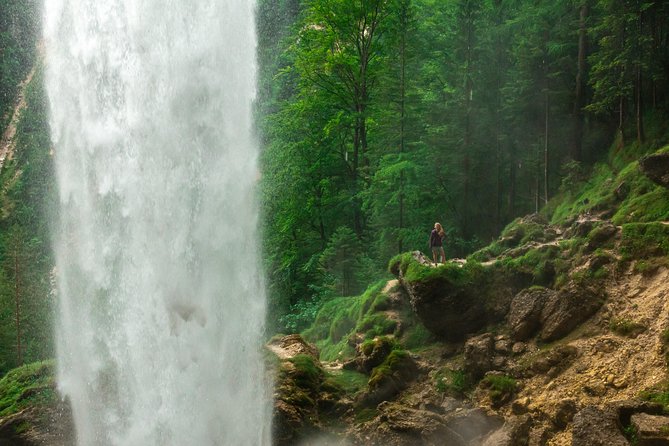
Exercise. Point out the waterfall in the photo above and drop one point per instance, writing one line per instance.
(161, 298)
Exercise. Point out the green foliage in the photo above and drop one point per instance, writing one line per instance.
(644, 240)
(308, 372)
(500, 387)
(340, 317)
(454, 382)
(626, 327)
(31, 384)
(26, 260)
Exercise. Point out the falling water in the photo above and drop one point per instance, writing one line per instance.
(161, 298)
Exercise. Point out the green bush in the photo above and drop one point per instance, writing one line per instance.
(501, 387)
(455, 382)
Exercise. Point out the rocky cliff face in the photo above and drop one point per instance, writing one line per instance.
(551, 339)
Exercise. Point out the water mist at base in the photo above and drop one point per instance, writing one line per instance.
(161, 301)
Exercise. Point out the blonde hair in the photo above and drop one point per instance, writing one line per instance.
(439, 229)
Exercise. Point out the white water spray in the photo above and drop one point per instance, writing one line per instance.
(161, 298)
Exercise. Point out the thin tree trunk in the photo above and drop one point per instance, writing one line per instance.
(546, 154)
(17, 301)
(579, 99)
(640, 136)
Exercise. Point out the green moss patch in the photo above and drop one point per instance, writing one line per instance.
(644, 240)
(342, 317)
(31, 384)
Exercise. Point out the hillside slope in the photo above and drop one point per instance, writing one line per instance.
(555, 334)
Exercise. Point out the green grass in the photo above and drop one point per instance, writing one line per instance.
(644, 240)
(454, 382)
(28, 385)
(500, 387)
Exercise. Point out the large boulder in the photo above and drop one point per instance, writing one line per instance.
(597, 427)
(553, 314)
(456, 299)
(656, 167)
(524, 317)
(301, 392)
(567, 309)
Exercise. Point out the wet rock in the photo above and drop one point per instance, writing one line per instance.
(656, 167)
(652, 430)
(478, 356)
(524, 317)
(596, 427)
(50, 425)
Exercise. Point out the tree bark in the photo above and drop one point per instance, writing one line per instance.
(579, 99)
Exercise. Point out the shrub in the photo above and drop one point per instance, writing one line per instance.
(501, 388)
(626, 327)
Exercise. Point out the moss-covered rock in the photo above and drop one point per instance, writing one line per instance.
(390, 377)
(31, 412)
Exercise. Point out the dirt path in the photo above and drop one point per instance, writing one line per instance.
(8, 141)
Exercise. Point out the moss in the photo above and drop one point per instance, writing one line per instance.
(645, 201)
(376, 324)
(658, 394)
(27, 385)
(351, 382)
(538, 262)
(340, 317)
(417, 336)
(644, 240)
(366, 414)
(598, 192)
(307, 374)
(398, 361)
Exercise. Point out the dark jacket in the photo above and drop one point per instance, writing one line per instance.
(435, 238)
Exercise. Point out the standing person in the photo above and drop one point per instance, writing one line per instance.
(436, 243)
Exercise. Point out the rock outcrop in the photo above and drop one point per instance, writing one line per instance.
(656, 167)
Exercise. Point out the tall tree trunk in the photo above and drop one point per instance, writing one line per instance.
(546, 154)
(579, 96)
(403, 18)
(640, 136)
(17, 302)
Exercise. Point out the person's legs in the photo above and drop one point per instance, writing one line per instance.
(434, 254)
(443, 254)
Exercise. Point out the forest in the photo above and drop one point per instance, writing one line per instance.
(378, 118)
